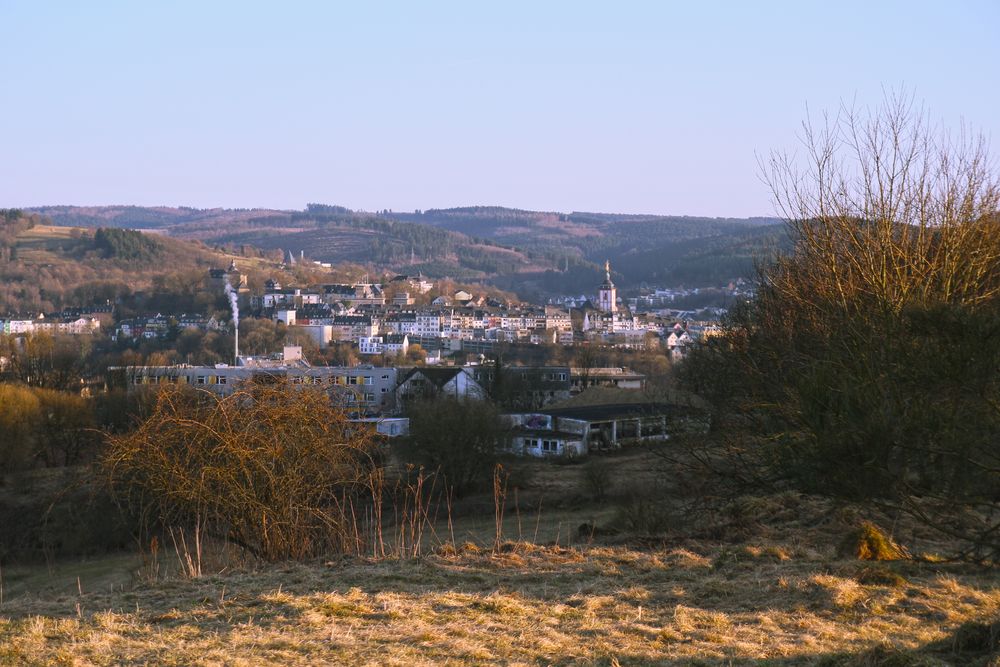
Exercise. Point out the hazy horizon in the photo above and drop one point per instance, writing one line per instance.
(661, 214)
(645, 108)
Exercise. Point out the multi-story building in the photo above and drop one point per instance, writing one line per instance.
(390, 344)
(16, 324)
(366, 389)
(357, 294)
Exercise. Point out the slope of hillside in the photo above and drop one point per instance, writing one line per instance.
(644, 248)
(146, 217)
(770, 591)
(332, 234)
(544, 251)
(49, 267)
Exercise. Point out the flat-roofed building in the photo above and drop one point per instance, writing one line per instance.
(369, 390)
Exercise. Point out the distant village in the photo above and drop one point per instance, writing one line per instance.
(543, 404)
(461, 322)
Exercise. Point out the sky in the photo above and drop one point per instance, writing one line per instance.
(637, 107)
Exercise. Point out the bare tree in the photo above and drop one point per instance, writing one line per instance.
(886, 210)
(273, 468)
(866, 365)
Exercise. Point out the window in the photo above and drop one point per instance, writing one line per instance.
(223, 379)
(367, 379)
(370, 397)
(385, 377)
(385, 390)
(200, 379)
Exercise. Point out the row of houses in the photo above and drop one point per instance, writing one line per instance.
(358, 294)
(158, 325)
(53, 323)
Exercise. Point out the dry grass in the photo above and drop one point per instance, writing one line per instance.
(527, 604)
(757, 582)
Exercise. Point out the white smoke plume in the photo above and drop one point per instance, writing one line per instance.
(233, 302)
(235, 307)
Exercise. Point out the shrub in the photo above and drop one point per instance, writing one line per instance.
(20, 411)
(458, 439)
(273, 468)
(597, 476)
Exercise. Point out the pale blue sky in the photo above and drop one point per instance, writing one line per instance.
(614, 106)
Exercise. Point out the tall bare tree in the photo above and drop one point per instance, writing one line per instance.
(867, 364)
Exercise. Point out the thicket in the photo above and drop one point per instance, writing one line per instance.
(44, 427)
(456, 439)
(126, 244)
(867, 365)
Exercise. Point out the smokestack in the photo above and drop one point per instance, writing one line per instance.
(235, 307)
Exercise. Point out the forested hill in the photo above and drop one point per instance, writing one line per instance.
(642, 248)
(539, 251)
(44, 268)
(336, 234)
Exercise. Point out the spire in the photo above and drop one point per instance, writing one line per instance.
(607, 276)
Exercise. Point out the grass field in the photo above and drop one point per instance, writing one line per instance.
(527, 604)
(759, 583)
(43, 244)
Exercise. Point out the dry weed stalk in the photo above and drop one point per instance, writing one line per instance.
(500, 479)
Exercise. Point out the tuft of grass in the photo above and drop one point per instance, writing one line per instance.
(869, 542)
(880, 576)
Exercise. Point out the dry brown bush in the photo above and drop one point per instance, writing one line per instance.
(280, 471)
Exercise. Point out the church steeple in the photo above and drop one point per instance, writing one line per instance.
(607, 296)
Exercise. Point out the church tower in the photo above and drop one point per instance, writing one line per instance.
(607, 297)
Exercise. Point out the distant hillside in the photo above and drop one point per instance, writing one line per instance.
(332, 234)
(534, 252)
(642, 248)
(45, 268)
(144, 217)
